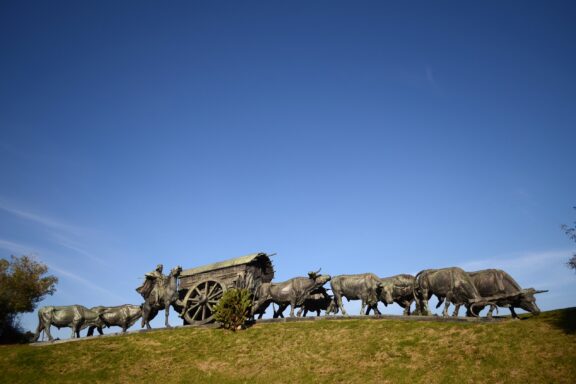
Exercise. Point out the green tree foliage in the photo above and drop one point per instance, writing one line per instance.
(23, 284)
(571, 233)
(233, 309)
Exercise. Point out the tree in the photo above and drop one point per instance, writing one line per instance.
(23, 284)
(571, 233)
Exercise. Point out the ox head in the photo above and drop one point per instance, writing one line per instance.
(319, 279)
(522, 299)
(525, 299)
(385, 293)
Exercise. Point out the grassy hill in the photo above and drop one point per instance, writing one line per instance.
(536, 350)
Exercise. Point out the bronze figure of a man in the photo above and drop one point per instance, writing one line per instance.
(152, 279)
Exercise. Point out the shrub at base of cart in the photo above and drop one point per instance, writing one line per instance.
(233, 308)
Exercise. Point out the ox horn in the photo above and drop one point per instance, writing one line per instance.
(472, 309)
(484, 303)
(314, 275)
(540, 291)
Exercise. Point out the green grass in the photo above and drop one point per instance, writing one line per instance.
(536, 350)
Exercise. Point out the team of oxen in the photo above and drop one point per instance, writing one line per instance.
(474, 290)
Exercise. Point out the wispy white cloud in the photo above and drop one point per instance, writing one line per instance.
(541, 270)
(24, 249)
(68, 243)
(87, 283)
(529, 260)
(43, 220)
(17, 248)
(68, 236)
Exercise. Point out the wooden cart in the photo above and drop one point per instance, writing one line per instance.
(201, 288)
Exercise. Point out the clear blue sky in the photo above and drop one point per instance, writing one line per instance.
(359, 136)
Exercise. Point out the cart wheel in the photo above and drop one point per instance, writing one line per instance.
(200, 300)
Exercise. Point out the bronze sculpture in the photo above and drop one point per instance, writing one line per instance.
(123, 316)
(164, 294)
(202, 287)
(194, 293)
(366, 287)
(491, 283)
(76, 317)
(452, 284)
(292, 292)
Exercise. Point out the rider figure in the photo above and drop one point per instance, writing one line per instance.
(152, 279)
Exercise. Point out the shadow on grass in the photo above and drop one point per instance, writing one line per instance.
(566, 320)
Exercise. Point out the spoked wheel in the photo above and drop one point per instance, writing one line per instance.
(200, 301)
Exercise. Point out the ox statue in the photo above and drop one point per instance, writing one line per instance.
(317, 301)
(402, 288)
(76, 317)
(451, 283)
(292, 292)
(366, 287)
(499, 286)
(123, 316)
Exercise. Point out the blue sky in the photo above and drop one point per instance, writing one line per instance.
(375, 136)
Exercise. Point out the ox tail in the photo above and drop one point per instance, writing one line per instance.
(415, 289)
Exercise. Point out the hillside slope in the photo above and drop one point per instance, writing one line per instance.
(535, 350)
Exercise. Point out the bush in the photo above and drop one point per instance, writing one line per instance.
(233, 309)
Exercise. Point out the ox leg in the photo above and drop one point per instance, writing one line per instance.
(371, 307)
(339, 305)
(39, 329)
(406, 305)
(422, 303)
(490, 311)
(406, 310)
(513, 312)
(424, 309)
(292, 307)
(166, 314)
(47, 330)
(260, 307)
(330, 308)
(280, 311)
(446, 305)
(456, 310)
